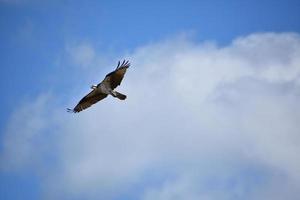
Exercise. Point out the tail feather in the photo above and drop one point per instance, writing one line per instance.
(120, 96)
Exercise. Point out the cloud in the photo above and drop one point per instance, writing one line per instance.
(200, 122)
(82, 54)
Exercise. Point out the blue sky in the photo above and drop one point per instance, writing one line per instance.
(51, 51)
(34, 34)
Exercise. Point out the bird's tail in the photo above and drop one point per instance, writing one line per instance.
(119, 95)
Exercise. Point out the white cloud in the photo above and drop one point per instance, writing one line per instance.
(82, 54)
(200, 121)
(23, 132)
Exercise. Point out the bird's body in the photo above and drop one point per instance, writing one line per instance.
(105, 88)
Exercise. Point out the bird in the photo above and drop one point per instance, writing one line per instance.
(104, 88)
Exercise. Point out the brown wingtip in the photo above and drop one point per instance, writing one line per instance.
(118, 65)
(69, 110)
(124, 64)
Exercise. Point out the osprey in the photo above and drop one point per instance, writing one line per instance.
(106, 87)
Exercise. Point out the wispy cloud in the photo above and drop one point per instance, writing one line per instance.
(82, 54)
(200, 121)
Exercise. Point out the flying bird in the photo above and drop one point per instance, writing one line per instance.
(105, 88)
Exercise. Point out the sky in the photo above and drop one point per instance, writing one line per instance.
(212, 108)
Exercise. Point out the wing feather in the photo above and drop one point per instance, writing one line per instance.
(90, 99)
(112, 80)
(115, 77)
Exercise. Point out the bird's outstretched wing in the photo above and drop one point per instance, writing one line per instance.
(111, 81)
(115, 77)
(90, 99)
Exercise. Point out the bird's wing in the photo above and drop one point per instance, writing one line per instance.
(90, 99)
(115, 77)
